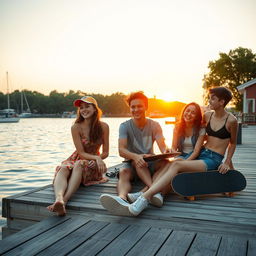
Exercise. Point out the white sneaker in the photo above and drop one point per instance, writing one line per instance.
(115, 205)
(138, 206)
(132, 197)
(157, 200)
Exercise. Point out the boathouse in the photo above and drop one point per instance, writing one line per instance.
(249, 96)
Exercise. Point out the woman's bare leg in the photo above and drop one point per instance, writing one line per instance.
(74, 180)
(174, 169)
(160, 171)
(60, 186)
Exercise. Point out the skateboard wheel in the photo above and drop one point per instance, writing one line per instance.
(190, 198)
(229, 194)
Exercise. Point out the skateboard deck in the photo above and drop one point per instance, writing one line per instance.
(210, 182)
(160, 156)
(157, 157)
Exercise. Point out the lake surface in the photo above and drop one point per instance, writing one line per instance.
(31, 149)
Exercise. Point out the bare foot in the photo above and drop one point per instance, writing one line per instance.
(50, 207)
(58, 207)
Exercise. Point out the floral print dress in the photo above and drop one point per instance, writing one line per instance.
(90, 176)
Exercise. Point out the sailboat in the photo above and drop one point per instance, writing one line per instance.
(8, 115)
(27, 113)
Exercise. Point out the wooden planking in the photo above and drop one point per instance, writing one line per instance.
(251, 248)
(125, 241)
(177, 244)
(69, 243)
(76, 235)
(241, 201)
(195, 211)
(180, 224)
(47, 238)
(149, 244)
(29, 233)
(205, 244)
(217, 203)
(231, 246)
(100, 240)
(172, 209)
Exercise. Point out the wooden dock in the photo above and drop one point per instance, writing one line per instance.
(211, 225)
(83, 236)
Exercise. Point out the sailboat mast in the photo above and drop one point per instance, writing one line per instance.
(21, 100)
(28, 108)
(8, 97)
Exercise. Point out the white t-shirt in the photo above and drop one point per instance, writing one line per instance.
(187, 145)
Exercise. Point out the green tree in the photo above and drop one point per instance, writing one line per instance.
(57, 102)
(115, 104)
(3, 101)
(230, 70)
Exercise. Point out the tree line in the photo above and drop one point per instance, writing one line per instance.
(236, 67)
(57, 103)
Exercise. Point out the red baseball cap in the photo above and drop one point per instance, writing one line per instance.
(86, 99)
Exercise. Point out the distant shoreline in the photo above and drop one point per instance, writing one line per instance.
(104, 115)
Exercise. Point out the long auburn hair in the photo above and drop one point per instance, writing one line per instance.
(181, 125)
(96, 131)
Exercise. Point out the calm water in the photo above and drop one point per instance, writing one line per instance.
(30, 150)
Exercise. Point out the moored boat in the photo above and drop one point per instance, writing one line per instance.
(8, 115)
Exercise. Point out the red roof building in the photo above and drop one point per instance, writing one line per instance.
(248, 90)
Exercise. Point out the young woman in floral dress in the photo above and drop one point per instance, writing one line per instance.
(85, 166)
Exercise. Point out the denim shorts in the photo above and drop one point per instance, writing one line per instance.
(184, 155)
(211, 159)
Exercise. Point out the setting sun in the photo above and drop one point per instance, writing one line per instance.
(167, 96)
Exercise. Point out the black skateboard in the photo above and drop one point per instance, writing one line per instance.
(211, 182)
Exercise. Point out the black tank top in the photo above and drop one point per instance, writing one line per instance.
(222, 133)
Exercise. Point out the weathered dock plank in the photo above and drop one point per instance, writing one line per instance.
(251, 247)
(205, 244)
(150, 242)
(70, 242)
(29, 233)
(231, 246)
(178, 243)
(100, 240)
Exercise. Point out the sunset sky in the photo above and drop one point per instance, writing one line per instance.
(162, 47)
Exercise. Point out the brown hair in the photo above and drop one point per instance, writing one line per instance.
(137, 95)
(222, 93)
(181, 125)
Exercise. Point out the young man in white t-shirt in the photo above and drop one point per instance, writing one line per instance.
(136, 139)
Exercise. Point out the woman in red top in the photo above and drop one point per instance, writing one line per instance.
(85, 166)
